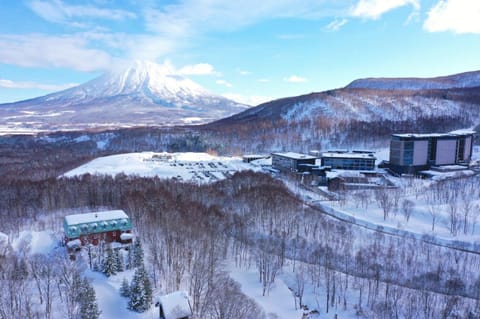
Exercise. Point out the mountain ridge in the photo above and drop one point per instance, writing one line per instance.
(459, 80)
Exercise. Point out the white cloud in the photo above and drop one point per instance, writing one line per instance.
(224, 83)
(244, 73)
(198, 69)
(263, 80)
(59, 12)
(36, 50)
(459, 16)
(336, 24)
(190, 16)
(33, 85)
(374, 9)
(181, 24)
(295, 79)
(252, 100)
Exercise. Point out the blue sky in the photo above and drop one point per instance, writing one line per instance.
(251, 51)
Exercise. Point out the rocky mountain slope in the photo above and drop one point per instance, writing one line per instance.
(143, 93)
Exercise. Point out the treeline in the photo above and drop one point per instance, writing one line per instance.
(49, 155)
(190, 230)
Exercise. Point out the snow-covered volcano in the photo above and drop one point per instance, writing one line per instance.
(142, 93)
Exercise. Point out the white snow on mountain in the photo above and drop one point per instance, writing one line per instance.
(145, 81)
(349, 105)
(142, 93)
(461, 80)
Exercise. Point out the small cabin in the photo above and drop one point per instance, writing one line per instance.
(93, 228)
(175, 305)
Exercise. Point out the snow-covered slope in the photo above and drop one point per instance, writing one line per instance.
(143, 93)
(188, 167)
(461, 80)
(366, 105)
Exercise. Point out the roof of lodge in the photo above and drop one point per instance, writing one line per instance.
(356, 155)
(255, 156)
(427, 135)
(293, 155)
(95, 217)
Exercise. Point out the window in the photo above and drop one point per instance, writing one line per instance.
(408, 153)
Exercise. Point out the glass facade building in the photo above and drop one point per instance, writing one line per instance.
(364, 161)
(410, 153)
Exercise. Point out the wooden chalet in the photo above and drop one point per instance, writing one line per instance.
(94, 228)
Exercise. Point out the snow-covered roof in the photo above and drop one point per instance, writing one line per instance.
(349, 155)
(294, 155)
(175, 305)
(255, 156)
(463, 132)
(428, 135)
(74, 244)
(343, 173)
(126, 236)
(95, 217)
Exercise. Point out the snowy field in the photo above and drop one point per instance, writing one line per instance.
(189, 167)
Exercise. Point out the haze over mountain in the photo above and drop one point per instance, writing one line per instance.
(143, 93)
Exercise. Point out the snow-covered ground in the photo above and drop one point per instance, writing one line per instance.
(191, 167)
(278, 303)
(203, 168)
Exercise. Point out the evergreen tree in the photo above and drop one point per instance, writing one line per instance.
(88, 302)
(118, 261)
(147, 286)
(140, 291)
(125, 288)
(137, 254)
(128, 264)
(109, 264)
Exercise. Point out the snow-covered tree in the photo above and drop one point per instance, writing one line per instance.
(110, 263)
(140, 291)
(88, 301)
(136, 254)
(125, 288)
(118, 261)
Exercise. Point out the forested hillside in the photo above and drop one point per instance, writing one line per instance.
(190, 231)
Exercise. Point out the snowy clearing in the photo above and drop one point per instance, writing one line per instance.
(190, 167)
